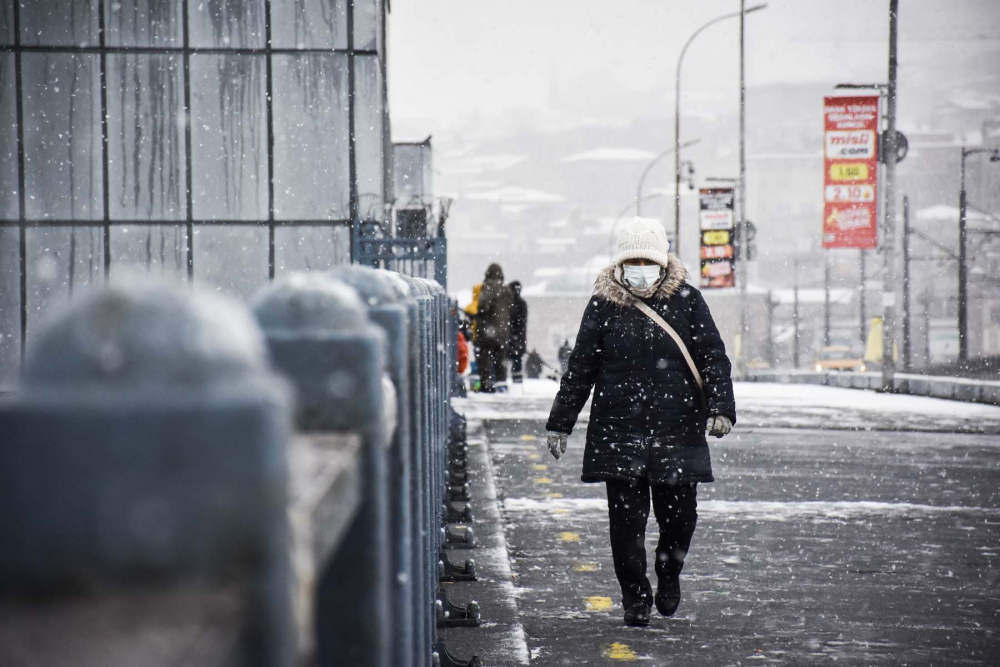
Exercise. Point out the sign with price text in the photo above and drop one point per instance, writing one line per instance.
(717, 224)
(850, 171)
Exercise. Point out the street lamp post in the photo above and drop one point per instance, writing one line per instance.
(649, 167)
(677, 116)
(889, 239)
(963, 288)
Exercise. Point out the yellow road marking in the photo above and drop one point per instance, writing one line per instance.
(543, 480)
(569, 537)
(534, 457)
(553, 495)
(559, 510)
(540, 467)
(597, 603)
(586, 567)
(617, 651)
(528, 438)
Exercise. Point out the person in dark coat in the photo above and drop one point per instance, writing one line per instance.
(492, 327)
(646, 437)
(518, 346)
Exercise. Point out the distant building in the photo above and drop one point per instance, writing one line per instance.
(267, 171)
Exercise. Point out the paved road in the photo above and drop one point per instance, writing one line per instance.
(815, 547)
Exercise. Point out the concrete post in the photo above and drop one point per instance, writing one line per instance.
(320, 337)
(387, 309)
(143, 475)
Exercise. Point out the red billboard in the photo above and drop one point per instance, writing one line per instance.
(850, 171)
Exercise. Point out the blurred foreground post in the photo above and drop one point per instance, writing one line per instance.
(320, 337)
(143, 481)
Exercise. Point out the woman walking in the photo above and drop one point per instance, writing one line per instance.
(651, 352)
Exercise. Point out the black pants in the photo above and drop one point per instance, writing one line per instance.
(517, 367)
(490, 361)
(675, 508)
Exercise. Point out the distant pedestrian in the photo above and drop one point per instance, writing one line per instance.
(565, 350)
(518, 333)
(473, 308)
(646, 344)
(533, 365)
(492, 327)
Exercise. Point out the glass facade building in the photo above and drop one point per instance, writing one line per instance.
(219, 141)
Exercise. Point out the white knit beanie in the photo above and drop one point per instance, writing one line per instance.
(642, 238)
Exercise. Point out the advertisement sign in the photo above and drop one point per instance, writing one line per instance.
(850, 171)
(717, 222)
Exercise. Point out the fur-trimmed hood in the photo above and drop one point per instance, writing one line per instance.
(610, 286)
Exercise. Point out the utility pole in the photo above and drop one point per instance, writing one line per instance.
(889, 230)
(826, 298)
(906, 283)
(677, 106)
(862, 315)
(795, 315)
(741, 266)
(963, 278)
(963, 269)
(926, 300)
(770, 329)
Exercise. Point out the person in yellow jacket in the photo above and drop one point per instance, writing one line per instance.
(473, 308)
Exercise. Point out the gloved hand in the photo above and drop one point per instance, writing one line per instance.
(557, 443)
(719, 426)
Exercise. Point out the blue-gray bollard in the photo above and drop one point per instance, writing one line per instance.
(427, 497)
(320, 337)
(384, 295)
(143, 476)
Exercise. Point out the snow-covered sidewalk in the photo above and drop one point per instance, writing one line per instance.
(765, 405)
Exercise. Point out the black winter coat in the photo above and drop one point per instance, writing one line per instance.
(493, 315)
(518, 327)
(647, 420)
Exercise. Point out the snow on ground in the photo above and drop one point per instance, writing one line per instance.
(779, 397)
(774, 405)
(756, 510)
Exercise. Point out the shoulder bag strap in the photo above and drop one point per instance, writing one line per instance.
(653, 315)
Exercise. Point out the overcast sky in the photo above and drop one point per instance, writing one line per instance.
(459, 63)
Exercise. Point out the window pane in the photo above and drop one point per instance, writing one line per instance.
(229, 137)
(61, 261)
(160, 250)
(232, 259)
(311, 137)
(227, 23)
(144, 22)
(366, 21)
(59, 23)
(309, 24)
(10, 307)
(310, 248)
(369, 146)
(6, 21)
(62, 136)
(412, 174)
(8, 139)
(145, 139)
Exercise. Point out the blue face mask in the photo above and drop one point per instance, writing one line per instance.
(641, 277)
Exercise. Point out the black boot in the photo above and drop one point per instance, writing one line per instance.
(637, 614)
(668, 592)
